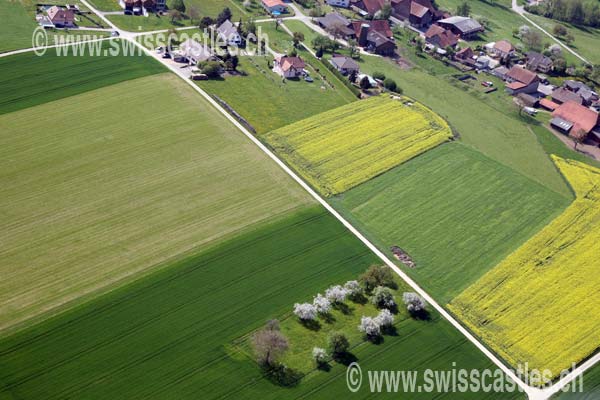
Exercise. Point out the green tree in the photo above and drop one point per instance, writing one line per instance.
(364, 83)
(178, 5)
(205, 22)
(338, 344)
(297, 37)
(176, 15)
(223, 16)
(463, 9)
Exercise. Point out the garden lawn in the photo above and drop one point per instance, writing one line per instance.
(299, 26)
(342, 148)
(552, 279)
(169, 334)
(27, 80)
(492, 127)
(267, 102)
(455, 211)
(101, 186)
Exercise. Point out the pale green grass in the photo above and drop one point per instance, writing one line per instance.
(109, 183)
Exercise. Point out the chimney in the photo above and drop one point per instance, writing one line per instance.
(362, 37)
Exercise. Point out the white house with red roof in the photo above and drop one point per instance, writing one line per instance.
(289, 67)
(275, 6)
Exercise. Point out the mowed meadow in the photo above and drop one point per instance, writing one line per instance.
(455, 211)
(344, 147)
(102, 185)
(553, 279)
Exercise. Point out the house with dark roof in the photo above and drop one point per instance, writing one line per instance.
(464, 27)
(369, 7)
(521, 80)
(339, 3)
(375, 36)
(345, 65)
(420, 16)
(538, 62)
(574, 119)
(289, 67)
(440, 37)
(336, 24)
(61, 17)
(562, 95)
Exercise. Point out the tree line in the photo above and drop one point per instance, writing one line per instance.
(578, 12)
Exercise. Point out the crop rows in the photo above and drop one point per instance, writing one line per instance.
(540, 304)
(342, 148)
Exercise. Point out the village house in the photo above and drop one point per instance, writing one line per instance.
(336, 24)
(275, 7)
(228, 34)
(562, 95)
(574, 91)
(195, 52)
(61, 17)
(289, 67)
(575, 120)
(466, 56)
(419, 13)
(375, 36)
(369, 7)
(141, 7)
(538, 62)
(339, 3)
(345, 65)
(500, 72)
(441, 37)
(521, 80)
(549, 104)
(502, 49)
(464, 27)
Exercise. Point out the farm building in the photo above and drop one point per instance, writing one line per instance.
(344, 65)
(574, 119)
(521, 80)
(289, 67)
(562, 95)
(549, 104)
(538, 62)
(375, 36)
(462, 26)
(440, 37)
(228, 34)
(274, 6)
(528, 100)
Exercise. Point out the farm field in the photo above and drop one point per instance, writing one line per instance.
(552, 279)
(341, 148)
(492, 127)
(591, 387)
(455, 211)
(118, 185)
(268, 103)
(173, 340)
(27, 80)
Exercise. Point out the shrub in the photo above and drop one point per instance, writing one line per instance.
(305, 311)
(336, 294)
(212, 69)
(375, 276)
(338, 343)
(379, 75)
(370, 326)
(383, 297)
(390, 84)
(414, 303)
(322, 304)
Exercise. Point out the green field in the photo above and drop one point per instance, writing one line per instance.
(344, 147)
(170, 332)
(590, 383)
(105, 184)
(18, 25)
(491, 126)
(455, 211)
(27, 80)
(587, 39)
(268, 103)
(553, 279)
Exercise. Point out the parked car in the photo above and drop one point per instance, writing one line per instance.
(159, 50)
(114, 34)
(530, 110)
(307, 78)
(199, 77)
(166, 55)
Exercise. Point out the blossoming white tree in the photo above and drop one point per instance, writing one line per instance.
(319, 355)
(414, 302)
(336, 294)
(385, 318)
(305, 311)
(383, 297)
(370, 326)
(322, 304)
(353, 289)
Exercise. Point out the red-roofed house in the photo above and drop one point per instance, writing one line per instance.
(377, 25)
(420, 16)
(574, 119)
(440, 37)
(503, 49)
(549, 104)
(418, 12)
(369, 6)
(275, 6)
(289, 67)
(521, 80)
(61, 16)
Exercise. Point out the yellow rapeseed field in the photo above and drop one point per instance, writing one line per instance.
(540, 305)
(341, 148)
